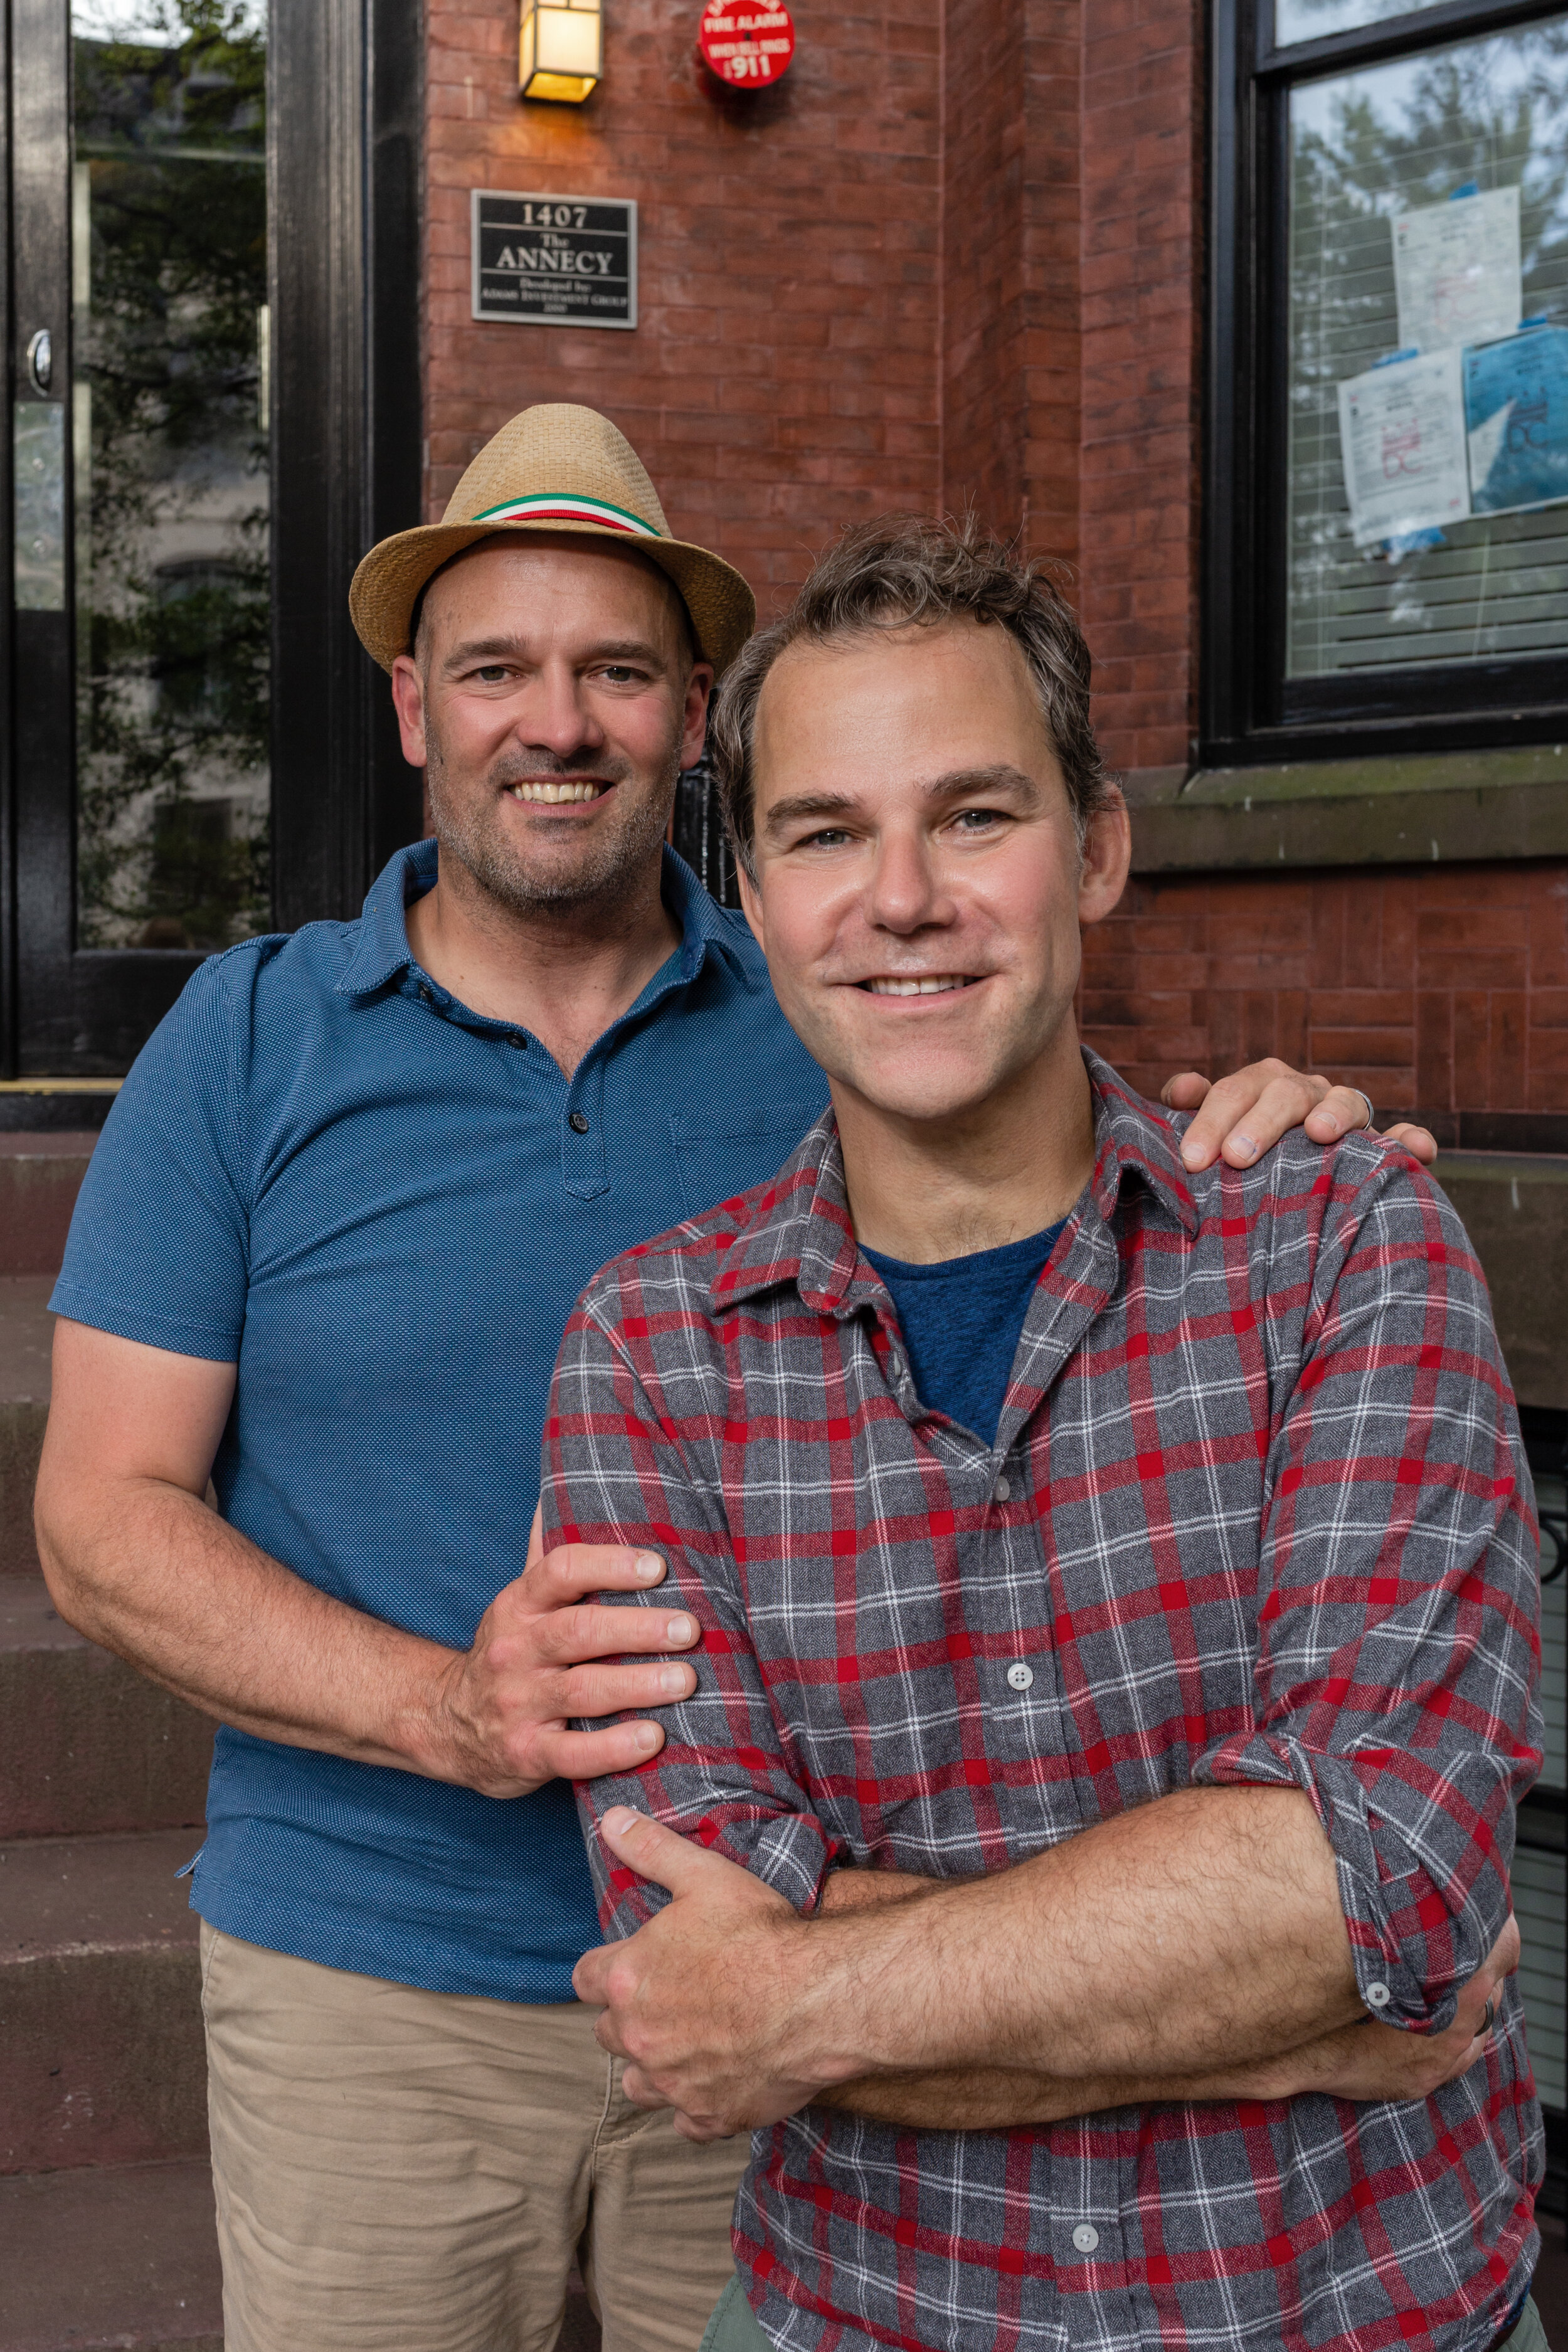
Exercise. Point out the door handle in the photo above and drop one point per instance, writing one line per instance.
(41, 359)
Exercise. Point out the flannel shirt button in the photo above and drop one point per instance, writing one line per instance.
(424, 995)
(1020, 1676)
(1378, 1996)
(517, 1038)
(1086, 2237)
(578, 1123)
(1003, 1490)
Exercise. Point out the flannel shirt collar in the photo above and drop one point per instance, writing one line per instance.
(799, 1229)
(381, 950)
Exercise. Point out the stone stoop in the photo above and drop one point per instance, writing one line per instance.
(99, 2002)
(106, 2202)
(111, 2258)
(25, 1334)
(106, 2210)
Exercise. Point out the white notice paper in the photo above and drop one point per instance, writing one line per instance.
(1402, 436)
(1455, 270)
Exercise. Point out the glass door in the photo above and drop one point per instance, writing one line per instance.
(140, 454)
(210, 422)
(169, 439)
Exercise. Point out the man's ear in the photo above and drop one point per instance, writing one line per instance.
(694, 722)
(751, 905)
(1107, 855)
(408, 700)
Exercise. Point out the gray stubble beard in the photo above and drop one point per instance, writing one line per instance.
(623, 857)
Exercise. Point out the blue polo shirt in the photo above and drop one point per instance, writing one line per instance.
(381, 1207)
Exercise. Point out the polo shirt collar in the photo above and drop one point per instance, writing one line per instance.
(800, 1230)
(381, 951)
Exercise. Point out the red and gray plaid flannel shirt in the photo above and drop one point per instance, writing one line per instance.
(1257, 1512)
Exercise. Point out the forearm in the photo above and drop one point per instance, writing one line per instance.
(148, 1571)
(1198, 1934)
(996, 2098)
(1365, 2061)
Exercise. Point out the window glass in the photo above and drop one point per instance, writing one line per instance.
(1313, 20)
(1427, 499)
(170, 432)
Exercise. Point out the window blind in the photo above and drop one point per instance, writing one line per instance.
(1366, 147)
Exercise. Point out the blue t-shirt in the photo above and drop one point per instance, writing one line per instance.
(962, 1321)
(376, 1202)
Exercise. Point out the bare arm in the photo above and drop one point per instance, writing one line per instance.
(1196, 1935)
(135, 1558)
(1360, 2062)
(1205, 1923)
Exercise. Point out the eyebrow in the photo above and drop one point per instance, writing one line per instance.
(957, 784)
(487, 649)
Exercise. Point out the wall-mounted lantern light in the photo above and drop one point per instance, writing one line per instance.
(560, 49)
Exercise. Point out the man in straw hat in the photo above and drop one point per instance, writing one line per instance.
(325, 1254)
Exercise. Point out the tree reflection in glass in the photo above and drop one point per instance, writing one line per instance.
(1475, 117)
(169, 268)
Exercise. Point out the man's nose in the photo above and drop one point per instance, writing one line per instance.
(905, 891)
(555, 715)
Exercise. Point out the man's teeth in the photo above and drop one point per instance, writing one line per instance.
(933, 984)
(553, 794)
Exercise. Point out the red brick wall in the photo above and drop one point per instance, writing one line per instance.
(1141, 361)
(783, 378)
(1444, 990)
(955, 257)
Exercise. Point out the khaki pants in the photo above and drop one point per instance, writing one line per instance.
(409, 2171)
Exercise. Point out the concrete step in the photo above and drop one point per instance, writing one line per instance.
(101, 2258)
(99, 2002)
(87, 1745)
(27, 1335)
(40, 1175)
(125, 2256)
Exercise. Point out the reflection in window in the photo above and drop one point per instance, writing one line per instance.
(1428, 434)
(1313, 20)
(169, 287)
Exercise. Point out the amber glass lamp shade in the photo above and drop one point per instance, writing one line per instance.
(560, 49)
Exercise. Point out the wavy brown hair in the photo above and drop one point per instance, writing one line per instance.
(910, 571)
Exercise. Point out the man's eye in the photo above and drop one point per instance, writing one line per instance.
(619, 673)
(828, 836)
(492, 674)
(977, 820)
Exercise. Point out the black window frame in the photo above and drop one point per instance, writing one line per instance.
(345, 118)
(1250, 713)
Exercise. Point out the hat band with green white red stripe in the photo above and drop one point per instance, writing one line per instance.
(565, 507)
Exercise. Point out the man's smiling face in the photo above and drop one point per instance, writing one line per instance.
(551, 699)
(920, 886)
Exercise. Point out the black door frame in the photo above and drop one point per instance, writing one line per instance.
(345, 113)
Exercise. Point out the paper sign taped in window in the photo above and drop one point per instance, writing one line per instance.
(1456, 271)
(1402, 436)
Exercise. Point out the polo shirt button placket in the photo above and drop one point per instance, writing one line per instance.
(584, 1133)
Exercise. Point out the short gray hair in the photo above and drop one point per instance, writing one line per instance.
(910, 571)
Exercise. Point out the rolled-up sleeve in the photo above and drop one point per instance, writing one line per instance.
(626, 1461)
(1398, 1598)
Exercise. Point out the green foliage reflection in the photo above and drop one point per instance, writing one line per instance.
(170, 473)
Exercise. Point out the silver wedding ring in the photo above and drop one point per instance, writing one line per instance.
(1487, 2016)
(1370, 1114)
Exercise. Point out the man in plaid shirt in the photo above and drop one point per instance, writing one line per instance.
(1084, 1859)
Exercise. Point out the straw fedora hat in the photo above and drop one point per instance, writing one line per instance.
(555, 467)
